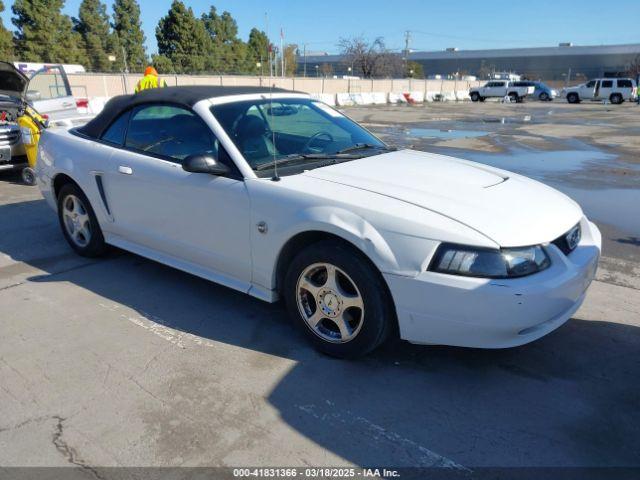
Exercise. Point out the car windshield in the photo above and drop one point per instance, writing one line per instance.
(300, 130)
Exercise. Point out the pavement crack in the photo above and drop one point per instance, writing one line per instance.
(23, 424)
(68, 451)
(7, 287)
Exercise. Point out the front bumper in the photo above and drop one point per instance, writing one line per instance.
(436, 308)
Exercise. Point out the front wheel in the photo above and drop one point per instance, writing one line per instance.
(573, 98)
(338, 299)
(79, 223)
(475, 96)
(544, 96)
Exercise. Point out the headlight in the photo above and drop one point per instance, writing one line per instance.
(480, 262)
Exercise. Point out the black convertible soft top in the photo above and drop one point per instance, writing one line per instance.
(186, 96)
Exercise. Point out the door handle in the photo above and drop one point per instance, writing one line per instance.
(125, 170)
(67, 104)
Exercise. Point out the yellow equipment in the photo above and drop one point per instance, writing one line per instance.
(31, 126)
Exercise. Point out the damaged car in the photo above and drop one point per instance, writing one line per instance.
(278, 195)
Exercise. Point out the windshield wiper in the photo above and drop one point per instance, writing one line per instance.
(365, 146)
(295, 158)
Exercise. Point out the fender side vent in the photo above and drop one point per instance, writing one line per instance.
(102, 194)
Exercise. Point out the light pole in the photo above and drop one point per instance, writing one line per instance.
(317, 70)
(304, 54)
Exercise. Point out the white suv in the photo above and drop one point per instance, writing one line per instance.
(616, 90)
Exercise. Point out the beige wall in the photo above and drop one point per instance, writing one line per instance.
(109, 85)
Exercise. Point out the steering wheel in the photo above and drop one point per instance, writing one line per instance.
(308, 146)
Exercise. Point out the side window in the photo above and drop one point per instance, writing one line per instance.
(591, 84)
(47, 84)
(116, 132)
(607, 84)
(170, 132)
(624, 83)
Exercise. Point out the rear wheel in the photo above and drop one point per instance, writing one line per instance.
(79, 223)
(338, 299)
(513, 96)
(573, 98)
(616, 99)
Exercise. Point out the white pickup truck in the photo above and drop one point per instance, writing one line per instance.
(615, 90)
(500, 89)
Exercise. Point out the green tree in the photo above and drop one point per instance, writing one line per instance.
(114, 48)
(290, 54)
(93, 27)
(222, 28)
(44, 34)
(229, 53)
(258, 46)
(6, 40)
(126, 24)
(414, 70)
(162, 64)
(183, 39)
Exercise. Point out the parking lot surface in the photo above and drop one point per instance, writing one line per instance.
(124, 362)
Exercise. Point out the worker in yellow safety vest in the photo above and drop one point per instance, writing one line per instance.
(150, 80)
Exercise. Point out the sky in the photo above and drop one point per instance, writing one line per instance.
(434, 25)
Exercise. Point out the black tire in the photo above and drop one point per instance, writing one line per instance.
(573, 98)
(28, 176)
(95, 246)
(377, 315)
(475, 96)
(616, 98)
(543, 97)
(514, 97)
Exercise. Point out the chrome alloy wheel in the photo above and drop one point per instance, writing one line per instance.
(330, 302)
(76, 221)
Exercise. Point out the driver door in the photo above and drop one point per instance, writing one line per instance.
(196, 218)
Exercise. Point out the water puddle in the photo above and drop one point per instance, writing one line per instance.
(615, 206)
(538, 163)
(599, 197)
(445, 134)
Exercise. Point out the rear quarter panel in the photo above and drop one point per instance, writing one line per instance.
(62, 153)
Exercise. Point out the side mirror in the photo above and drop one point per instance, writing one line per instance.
(33, 95)
(204, 163)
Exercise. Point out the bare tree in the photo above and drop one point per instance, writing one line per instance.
(633, 70)
(326, 70)
(485, 70)
(370, 59)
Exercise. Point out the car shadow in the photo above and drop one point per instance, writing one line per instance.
(571, 398)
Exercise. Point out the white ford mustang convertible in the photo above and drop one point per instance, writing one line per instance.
(280, 196)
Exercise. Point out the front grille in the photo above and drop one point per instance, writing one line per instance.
(568, 241)
(9, 135)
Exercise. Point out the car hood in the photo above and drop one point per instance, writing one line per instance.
(510, 209)
(12, 81)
